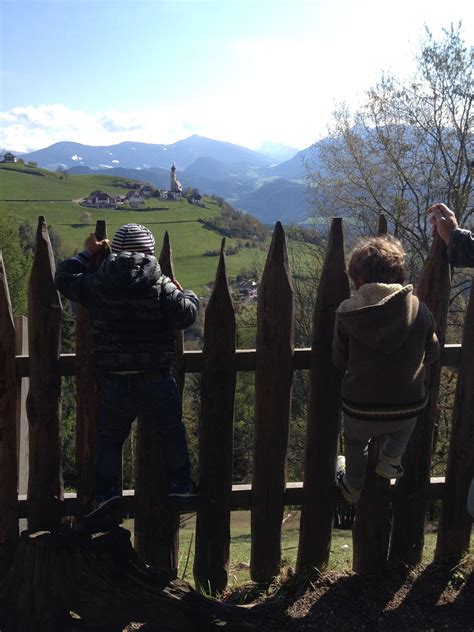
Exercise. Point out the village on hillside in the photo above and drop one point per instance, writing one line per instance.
(138, 193)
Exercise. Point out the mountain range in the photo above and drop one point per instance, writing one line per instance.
(252, 181)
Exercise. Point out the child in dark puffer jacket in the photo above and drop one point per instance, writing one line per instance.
(134, 311)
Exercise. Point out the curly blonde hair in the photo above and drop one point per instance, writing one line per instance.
(378, 260)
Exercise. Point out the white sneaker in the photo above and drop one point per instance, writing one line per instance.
(340, 466)
(389, 466)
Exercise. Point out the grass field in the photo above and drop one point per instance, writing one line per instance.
(341, 549)
(26, 195)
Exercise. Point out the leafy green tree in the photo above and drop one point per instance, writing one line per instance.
(17, 264)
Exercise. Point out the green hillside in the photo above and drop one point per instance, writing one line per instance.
(26, 193)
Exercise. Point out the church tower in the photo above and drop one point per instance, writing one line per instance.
(175, 185)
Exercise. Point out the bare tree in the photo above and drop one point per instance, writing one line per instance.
(409, 146)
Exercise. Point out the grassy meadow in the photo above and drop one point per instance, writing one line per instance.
(26, 193)
(239, 564)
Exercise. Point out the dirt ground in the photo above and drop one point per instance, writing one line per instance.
(428, 599)
(431, 598)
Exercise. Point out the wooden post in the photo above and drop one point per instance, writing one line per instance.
(382, 225)
(156, 520)
(455, 524)
(371, 530)
(167, 267)
(8, 461)
(22, 385)
(324, 415)
(273, 376)
(218, 377)
(412, 490)
(45, 487)
(87, 394)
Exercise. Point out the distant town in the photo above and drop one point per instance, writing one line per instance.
(138, 193)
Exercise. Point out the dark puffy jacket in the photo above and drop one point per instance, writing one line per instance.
(134, 309)
(461, 249)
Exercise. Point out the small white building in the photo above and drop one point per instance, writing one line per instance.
(8, 157)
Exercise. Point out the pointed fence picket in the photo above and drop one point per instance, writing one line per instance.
(324, 416)
(218, 378)
(371, 529)
(455, 524)
(411, 494)
(8, 453)
(87, 392)
(273, 377)
(156, 520)
(167, 267)
(45, 488)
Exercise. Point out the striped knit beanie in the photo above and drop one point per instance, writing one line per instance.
(134, 238)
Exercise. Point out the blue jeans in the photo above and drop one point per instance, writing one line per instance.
(156, 400)
(357, 434)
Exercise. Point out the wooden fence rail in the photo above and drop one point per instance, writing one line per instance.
(245, 360)
(273, 361)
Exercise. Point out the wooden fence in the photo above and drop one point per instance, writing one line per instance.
(273, 361)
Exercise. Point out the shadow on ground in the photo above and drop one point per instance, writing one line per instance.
(427, 599)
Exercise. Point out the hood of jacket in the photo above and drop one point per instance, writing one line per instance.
(380, 315)
(132, 273)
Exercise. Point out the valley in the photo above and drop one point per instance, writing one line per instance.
(269, 188)
(26, 193)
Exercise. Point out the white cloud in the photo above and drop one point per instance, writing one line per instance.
(29, 128)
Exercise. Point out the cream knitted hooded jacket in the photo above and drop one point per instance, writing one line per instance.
(383, 338)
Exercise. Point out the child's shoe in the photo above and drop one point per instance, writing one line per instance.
(181, 492)
(340, 466)
(389, 466)
(103, 514)
(350, 493)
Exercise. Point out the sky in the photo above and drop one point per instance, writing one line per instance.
(100, 72)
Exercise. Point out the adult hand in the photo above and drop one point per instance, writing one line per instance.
(92, 245)
(444, 221)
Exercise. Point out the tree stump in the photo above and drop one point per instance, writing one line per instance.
(101, 579)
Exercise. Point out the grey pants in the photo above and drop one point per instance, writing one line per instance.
(357, 434)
